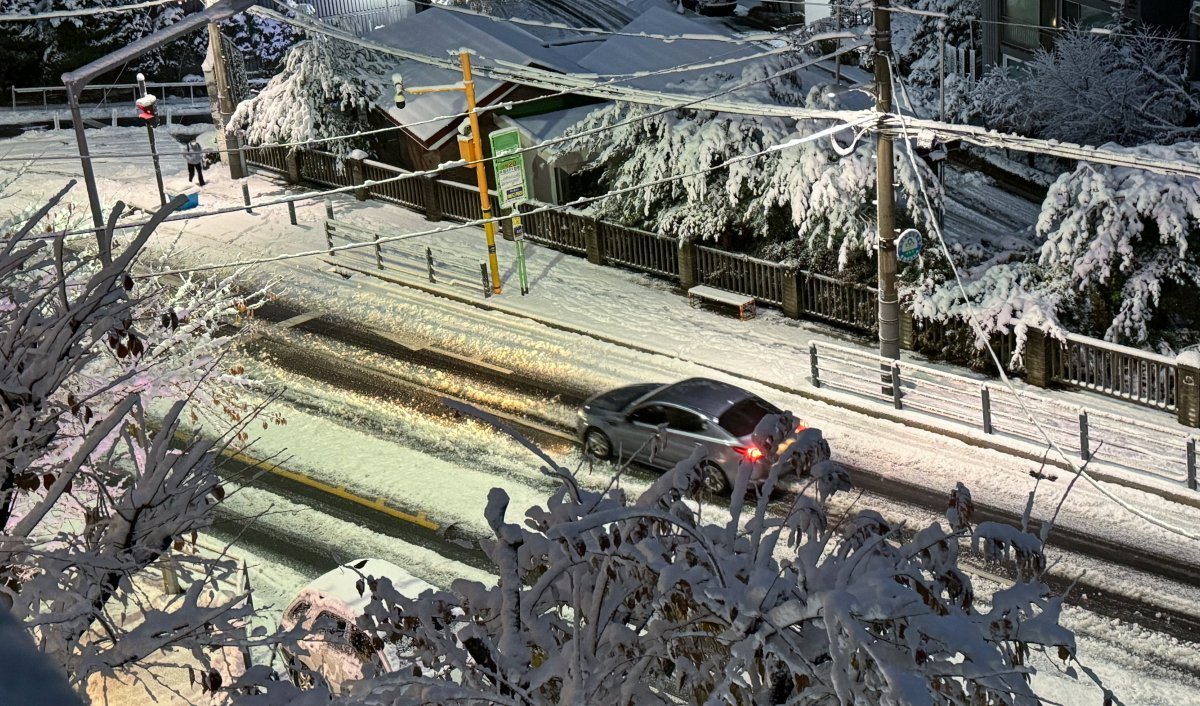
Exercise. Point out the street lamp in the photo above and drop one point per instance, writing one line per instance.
(470, 148)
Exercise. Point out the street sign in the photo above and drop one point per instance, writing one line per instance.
(509, 163)
(908, 245)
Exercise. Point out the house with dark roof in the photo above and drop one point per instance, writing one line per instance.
(1014, 30)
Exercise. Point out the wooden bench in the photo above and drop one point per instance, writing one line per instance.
(724, 296)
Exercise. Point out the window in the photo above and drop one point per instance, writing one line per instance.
(1081, 13)
(1019, 22)
(743, 417)
(299, 612)
(653, 415)
(683, 420)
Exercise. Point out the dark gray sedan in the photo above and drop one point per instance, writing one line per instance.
(624, 422)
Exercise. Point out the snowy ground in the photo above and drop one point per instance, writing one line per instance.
(609, 304)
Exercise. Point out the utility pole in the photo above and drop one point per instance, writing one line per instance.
(222, 107)
(162, 193)
(885, 196)
(471, 150)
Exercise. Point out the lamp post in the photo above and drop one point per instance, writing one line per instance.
(471, 150)
(146, 104)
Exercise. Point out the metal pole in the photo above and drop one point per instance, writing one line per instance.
(837, 59)
(162, 193)
(889, 304)
(489, 228)
(942, 71)
(89, 177)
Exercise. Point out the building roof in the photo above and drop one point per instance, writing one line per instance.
(439, 32)
(621, 54)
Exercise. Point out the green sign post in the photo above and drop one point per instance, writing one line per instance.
(512, 188)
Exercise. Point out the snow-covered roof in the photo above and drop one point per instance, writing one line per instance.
(548, 126)
(443, 34)
(621, 54)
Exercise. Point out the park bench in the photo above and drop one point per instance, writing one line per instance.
(724, 296)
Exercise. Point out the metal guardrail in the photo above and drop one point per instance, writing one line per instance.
(1125, 442)
(119, 88)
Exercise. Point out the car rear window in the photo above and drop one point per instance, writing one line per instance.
(741, 418)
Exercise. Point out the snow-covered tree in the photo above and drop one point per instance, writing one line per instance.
(917, 39)
(600, 600)
(95, 486)
(806, 202)
(42, 50)
(1125, 241)
(325, 89)
(262, 40)
(1130, 88)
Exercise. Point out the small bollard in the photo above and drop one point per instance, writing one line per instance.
(246, 196)
(429, 264)
(292, 212)
(114, 117)
(487, 289)
(985, 401)
(1084, 450)
(813, 364)
(329, 209)
(57, 125)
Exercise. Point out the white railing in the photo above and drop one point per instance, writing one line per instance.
(1125, 442)
(120, 89)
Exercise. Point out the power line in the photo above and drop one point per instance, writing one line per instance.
(98, 10)
(1098, 31)
(977, 327)
(451, 165)
(543, 209)
(746, 39)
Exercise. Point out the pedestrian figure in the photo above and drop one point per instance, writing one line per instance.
(194, 154)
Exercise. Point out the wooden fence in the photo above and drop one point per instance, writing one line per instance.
(639, 249)
(1127, 374)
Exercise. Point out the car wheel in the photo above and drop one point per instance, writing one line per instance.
(714, 481)
(597, 444)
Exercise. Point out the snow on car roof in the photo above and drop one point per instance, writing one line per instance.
(340, 583)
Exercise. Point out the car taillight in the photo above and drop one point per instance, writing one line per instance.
(752, 453)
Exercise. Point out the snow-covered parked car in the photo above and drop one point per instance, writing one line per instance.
(327, 610)
(661, 425)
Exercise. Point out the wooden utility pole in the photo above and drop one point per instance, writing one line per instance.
(223, 106)
(885, 196)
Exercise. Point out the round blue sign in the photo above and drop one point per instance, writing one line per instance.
(908, 245)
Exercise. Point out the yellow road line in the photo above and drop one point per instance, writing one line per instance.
(379, 504)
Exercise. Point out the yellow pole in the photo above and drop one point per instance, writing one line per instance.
(480, 171)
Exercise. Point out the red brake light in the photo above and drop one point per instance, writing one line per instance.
(752, 453)
(800, 427)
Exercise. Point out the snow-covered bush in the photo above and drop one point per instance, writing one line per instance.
(94, 485)
(601, 600)
(1128, 88)
(1123, 240)
(325, 89)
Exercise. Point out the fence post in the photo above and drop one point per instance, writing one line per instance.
(329, 209)
(812, 364)
(357, 177)
(688, 276)
(1084, 450)
(896, 386)
(792, 305)
(292, 212)
(57, 124)
(1191, 463)
(985, 399)
(593, 241)
(487, 283)
(291, 163)
(329, 226)
(1187, 389)
(114, 117)
(908, 330)
(1038, 365)
(429, 264)
(246, 196)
